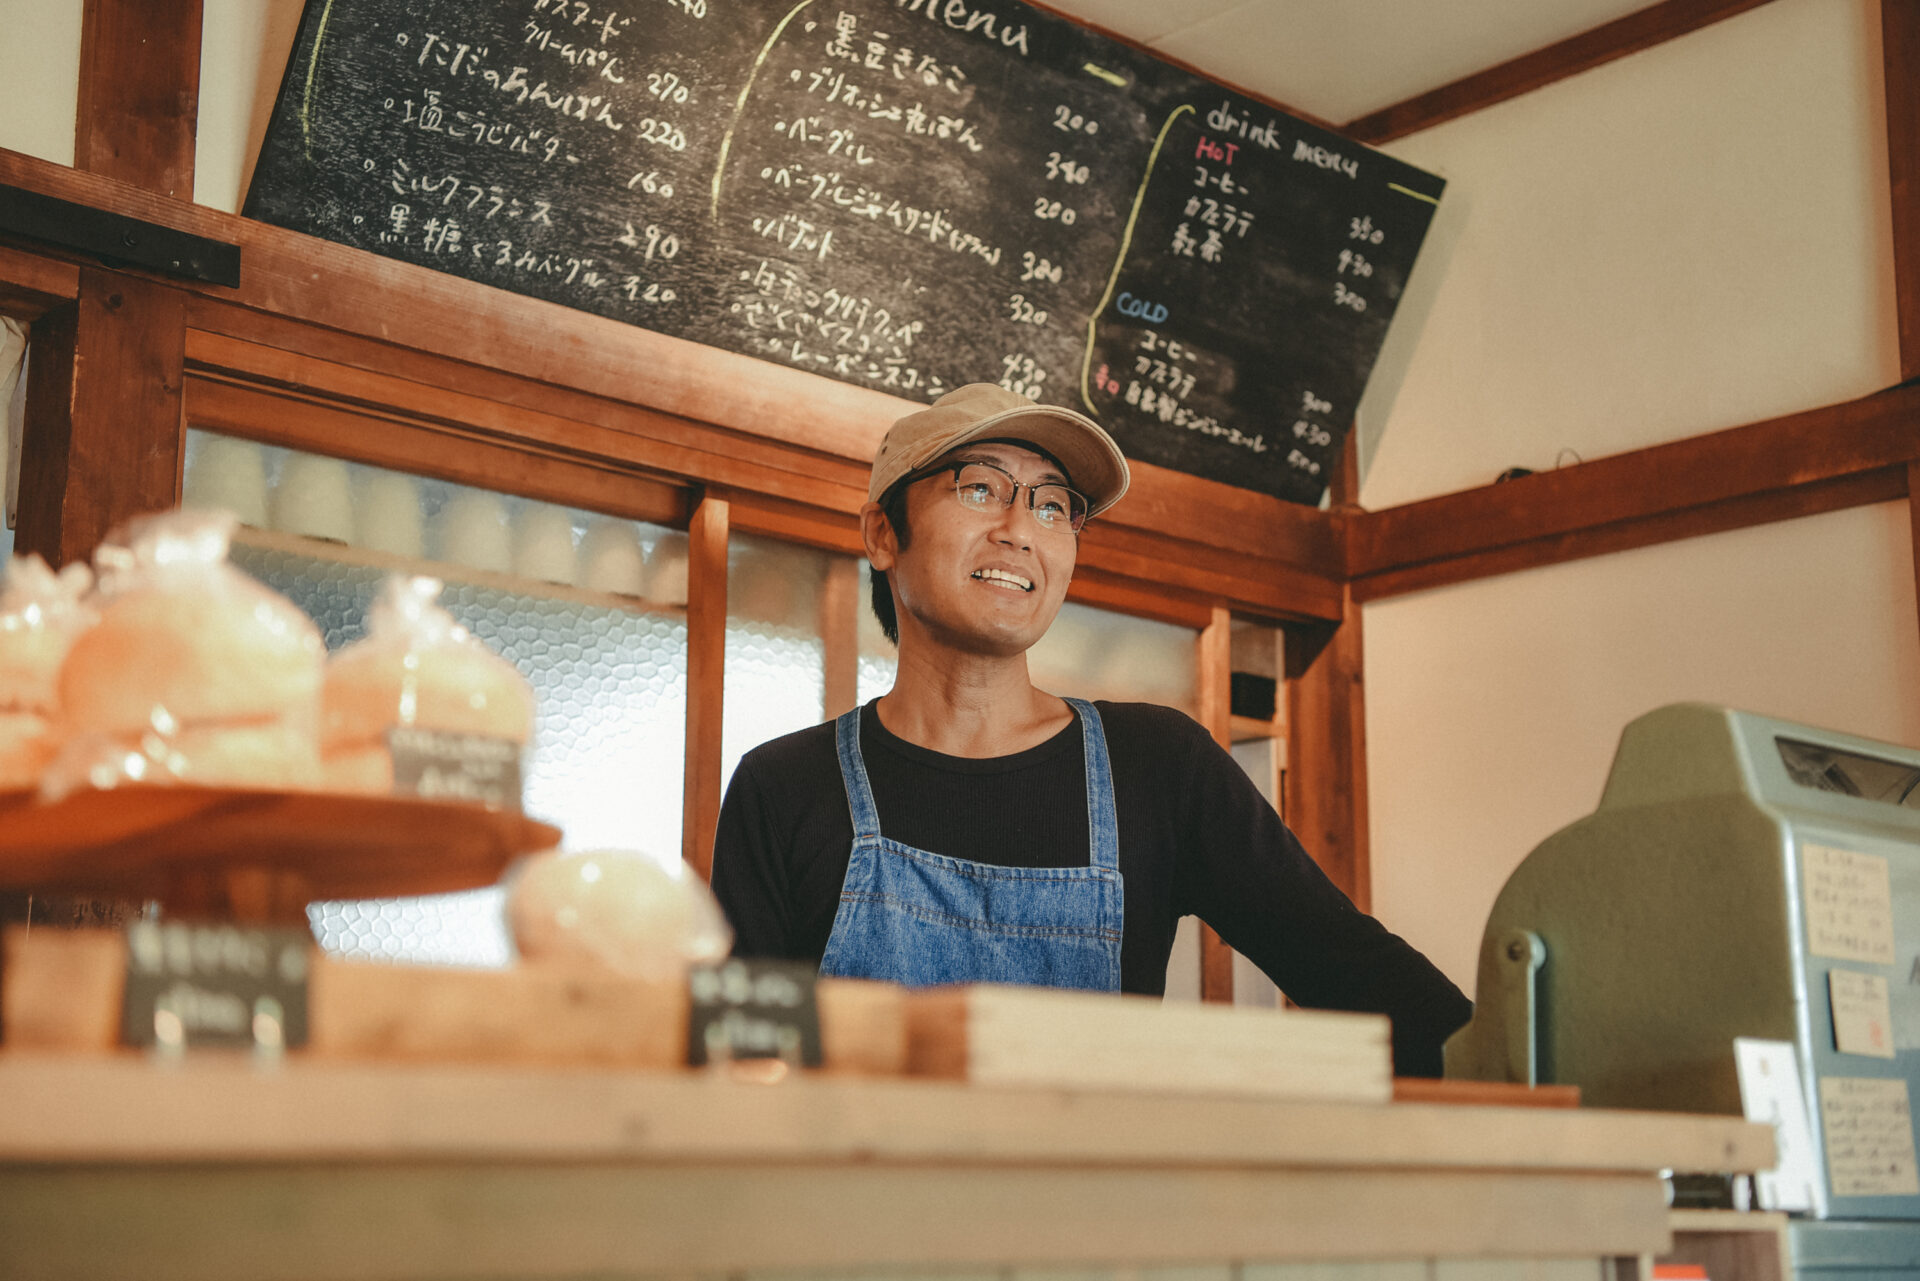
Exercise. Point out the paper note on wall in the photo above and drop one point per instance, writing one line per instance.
(1869, 1133)
(1862, 1013)
(1849, 900)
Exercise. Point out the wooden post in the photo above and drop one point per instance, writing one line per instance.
(706, 674)
(840, 606)
(103, 425)
(1913, 516)
(1900, 46)
(1326, 792)
(1215, 692)
(139, 93)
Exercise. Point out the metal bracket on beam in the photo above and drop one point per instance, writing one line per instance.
(116, 239)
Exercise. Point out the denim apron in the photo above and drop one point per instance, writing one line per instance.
(922, 919)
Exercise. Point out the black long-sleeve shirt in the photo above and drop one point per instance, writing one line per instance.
(1196, 838)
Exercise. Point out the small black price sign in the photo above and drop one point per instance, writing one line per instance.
(753, 1010)
(455, 767)
(215, 985)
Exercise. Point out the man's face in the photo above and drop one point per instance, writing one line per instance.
(983, 582)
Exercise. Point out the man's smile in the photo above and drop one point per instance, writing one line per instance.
(1004, 578)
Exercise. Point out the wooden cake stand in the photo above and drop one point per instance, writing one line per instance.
(256, 856)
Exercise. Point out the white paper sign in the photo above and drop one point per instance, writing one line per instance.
(1862, 1013)
(1849, 905)
(1869, 1136)
(1770, 1094)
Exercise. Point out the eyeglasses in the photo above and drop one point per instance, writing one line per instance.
(989, 490)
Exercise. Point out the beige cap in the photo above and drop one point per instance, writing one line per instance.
(983, 411)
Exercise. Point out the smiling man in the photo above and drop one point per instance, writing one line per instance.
(969, 827)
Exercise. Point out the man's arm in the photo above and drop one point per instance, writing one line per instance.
(750, 868)
(1244, 873)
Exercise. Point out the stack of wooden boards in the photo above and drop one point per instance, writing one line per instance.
(60, 990)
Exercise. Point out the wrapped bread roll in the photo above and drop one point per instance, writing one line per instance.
(194, 672)
(631, 912)
(40, 615)
(420, 669)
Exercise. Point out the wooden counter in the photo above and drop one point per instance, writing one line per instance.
(122, 1166)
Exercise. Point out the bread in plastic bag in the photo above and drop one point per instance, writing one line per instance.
(194, 672)
(41, 613)
(416, 668)
(637, 914)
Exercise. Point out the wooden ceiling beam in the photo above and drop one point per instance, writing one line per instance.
(1642, 29)
(1821, 460)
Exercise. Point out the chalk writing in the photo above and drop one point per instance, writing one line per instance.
(1023, 312)
(1021, 373)
(1033, 268)
(428, 116)
(808, 131)
(961, 16)
(606, 24)
(1228, 119)
(858, 200)
(1325, 158)
(875, 51)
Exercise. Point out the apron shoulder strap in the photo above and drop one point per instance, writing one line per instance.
(853, 774)
(1103, 824)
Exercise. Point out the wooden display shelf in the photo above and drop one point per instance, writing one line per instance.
(274, 540)
(1245, 728)
(256, 854)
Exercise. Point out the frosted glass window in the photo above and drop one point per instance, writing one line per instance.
(879, 660)
(776, 679)
(589, 608)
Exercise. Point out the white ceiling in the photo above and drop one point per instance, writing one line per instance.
(1340, 59)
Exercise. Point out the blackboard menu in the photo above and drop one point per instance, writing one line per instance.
(904, 194)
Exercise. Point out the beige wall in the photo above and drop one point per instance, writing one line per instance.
(243, 51)
(39, 77)
(1685, 240)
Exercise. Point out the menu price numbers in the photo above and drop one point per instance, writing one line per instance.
(637, 292)
(653, 241)
(1317, 437)
(1363, 230)
(1050, 210)
(1345, 297)
(1022, 375)
(1024, 312)
(1032, 268)
(652, 183)
(667, 87)
(1303, 463)
(1065, 170)
(1351, 261)
(1067, 120)
(661, 133)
